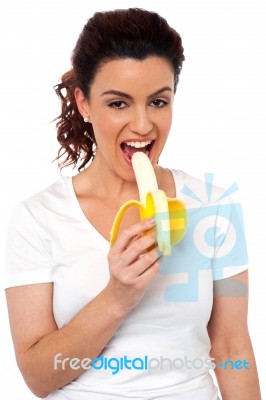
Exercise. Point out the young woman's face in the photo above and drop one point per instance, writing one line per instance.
(130, 108)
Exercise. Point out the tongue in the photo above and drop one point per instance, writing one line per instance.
(130, 150)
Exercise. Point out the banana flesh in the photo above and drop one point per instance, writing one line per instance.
(170, 214)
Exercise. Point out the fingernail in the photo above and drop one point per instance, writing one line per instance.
(158, 252)
(151, 221)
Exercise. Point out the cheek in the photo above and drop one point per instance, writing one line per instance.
(105, 123)
(106, 131)
(165, 124)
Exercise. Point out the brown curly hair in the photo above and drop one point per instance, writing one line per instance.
(129, 33)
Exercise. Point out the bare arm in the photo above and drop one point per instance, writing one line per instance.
(35, 334)
(230, 340)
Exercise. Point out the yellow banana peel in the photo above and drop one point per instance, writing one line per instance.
(169, 213)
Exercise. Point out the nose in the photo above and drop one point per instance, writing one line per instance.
(141, 122)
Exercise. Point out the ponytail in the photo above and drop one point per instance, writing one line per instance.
(75, 136)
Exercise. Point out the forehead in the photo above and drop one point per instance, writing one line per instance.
(134, 75)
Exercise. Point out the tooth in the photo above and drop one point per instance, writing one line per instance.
(170, 214)
(138, 144)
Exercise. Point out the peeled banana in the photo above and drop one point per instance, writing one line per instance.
(170, 214)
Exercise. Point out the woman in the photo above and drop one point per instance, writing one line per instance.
(90, 322)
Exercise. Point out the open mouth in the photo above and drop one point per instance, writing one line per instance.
(129, 148)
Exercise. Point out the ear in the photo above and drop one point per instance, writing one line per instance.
(82, 103)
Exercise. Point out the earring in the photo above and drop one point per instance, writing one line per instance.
(86, 119)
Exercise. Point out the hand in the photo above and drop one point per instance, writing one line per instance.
(131, 266)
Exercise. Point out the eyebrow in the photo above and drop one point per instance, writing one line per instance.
(128, 96)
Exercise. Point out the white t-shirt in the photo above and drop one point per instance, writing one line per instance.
(161, 350)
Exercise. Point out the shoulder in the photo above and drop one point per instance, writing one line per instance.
(38, 205)
(197, 192)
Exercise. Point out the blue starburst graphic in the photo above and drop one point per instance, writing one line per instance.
(214, 240)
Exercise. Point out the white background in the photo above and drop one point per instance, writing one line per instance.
(218, 127)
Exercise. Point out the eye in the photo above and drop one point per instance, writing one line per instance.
(118, 104)
(159, 103)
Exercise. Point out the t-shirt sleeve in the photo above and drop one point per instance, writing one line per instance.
(230, 250)
(27, 259)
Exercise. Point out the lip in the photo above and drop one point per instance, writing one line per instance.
(138, 140)
(126, 158)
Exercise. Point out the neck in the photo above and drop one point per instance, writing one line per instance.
(105, 183)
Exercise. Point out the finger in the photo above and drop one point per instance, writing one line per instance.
(146, 261)
(147, 276)
(129, 233)
(138, 248)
